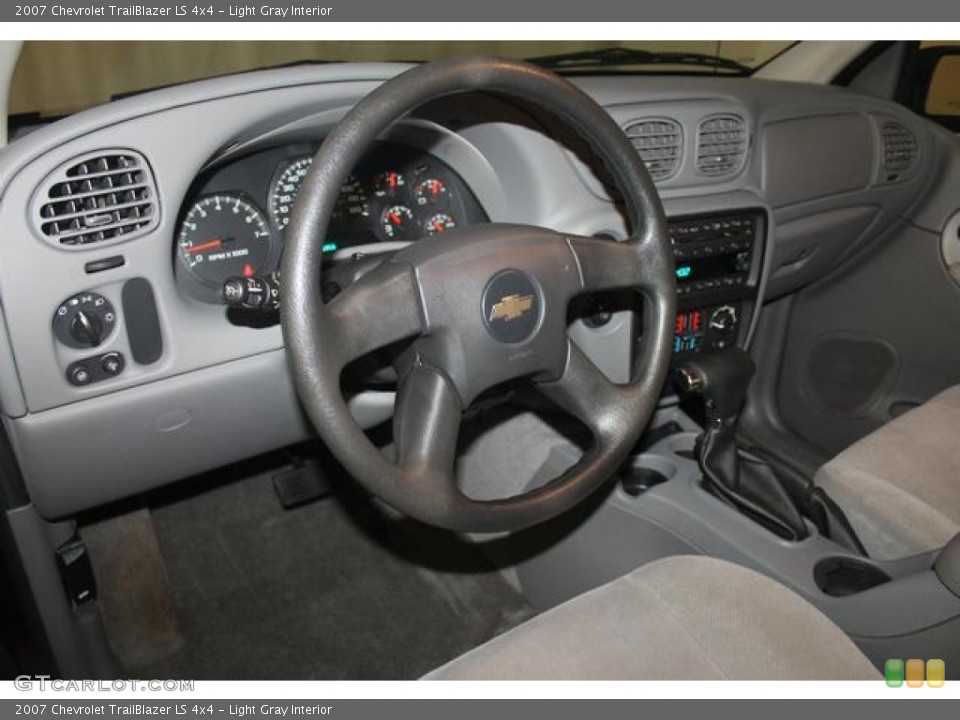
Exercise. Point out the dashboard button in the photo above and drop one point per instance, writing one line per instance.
(112, 363)
(79, 375)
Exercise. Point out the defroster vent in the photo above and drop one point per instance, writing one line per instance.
(103, 197)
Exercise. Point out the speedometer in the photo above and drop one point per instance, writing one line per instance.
(285, 190)
(223, 235)
(351, 203)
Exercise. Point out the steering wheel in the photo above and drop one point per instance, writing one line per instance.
(482, 305)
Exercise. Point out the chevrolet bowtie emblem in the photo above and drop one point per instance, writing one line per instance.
(511, 307)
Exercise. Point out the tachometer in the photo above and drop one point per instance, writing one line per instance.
(223, 235)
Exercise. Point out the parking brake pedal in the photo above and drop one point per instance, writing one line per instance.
(303, 483)
(76, 572)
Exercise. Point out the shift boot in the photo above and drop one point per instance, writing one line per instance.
(741, 479)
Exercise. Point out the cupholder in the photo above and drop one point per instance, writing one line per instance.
(843, 576)
(645, 472)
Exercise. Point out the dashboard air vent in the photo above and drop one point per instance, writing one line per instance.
(721, 145)
(107, 196)
(899, 146)
(659, 141)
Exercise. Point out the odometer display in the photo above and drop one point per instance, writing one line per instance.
(222, 236)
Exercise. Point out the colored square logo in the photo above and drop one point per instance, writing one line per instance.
(893, 672)
(936, 673)
(915, 673)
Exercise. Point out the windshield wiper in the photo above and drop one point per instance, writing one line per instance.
(608, 57)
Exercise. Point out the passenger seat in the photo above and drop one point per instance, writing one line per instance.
(900, 486)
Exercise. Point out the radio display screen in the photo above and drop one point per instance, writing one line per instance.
(706, 268)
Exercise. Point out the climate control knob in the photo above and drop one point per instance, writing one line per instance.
(723, 319)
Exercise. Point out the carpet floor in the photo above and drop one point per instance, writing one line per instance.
(330, 590)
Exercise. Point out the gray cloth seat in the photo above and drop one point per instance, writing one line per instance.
(678, 618)
(900, 485)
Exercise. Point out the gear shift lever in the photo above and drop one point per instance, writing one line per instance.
(722, 379)
(742, 479)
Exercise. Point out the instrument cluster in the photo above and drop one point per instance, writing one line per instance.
(234, 220)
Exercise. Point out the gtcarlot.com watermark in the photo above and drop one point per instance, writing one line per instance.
(45, 683)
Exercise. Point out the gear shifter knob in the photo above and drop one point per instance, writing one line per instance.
(722, 378)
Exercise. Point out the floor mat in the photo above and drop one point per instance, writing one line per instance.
(133, 589)
(331, 590)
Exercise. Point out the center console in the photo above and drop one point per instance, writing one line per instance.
(662, 504)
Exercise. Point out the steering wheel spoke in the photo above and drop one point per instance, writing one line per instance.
(379, 309)
(587, 394)
(426, 426)
(606, 264)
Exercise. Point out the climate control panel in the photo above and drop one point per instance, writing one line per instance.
(707, 328)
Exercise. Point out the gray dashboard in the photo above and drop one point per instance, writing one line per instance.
(816, 159)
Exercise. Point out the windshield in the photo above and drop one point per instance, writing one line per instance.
(58, 78)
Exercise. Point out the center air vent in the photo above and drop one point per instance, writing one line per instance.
(721, 145)
(899, 146)
(103, 197)
(659, 142)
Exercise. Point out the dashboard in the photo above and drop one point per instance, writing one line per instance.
(233, 221)
(120, 367)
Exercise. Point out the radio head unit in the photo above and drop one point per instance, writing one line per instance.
(719, 259)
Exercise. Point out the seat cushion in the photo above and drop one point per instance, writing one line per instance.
(690, 618)
(900, 485)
